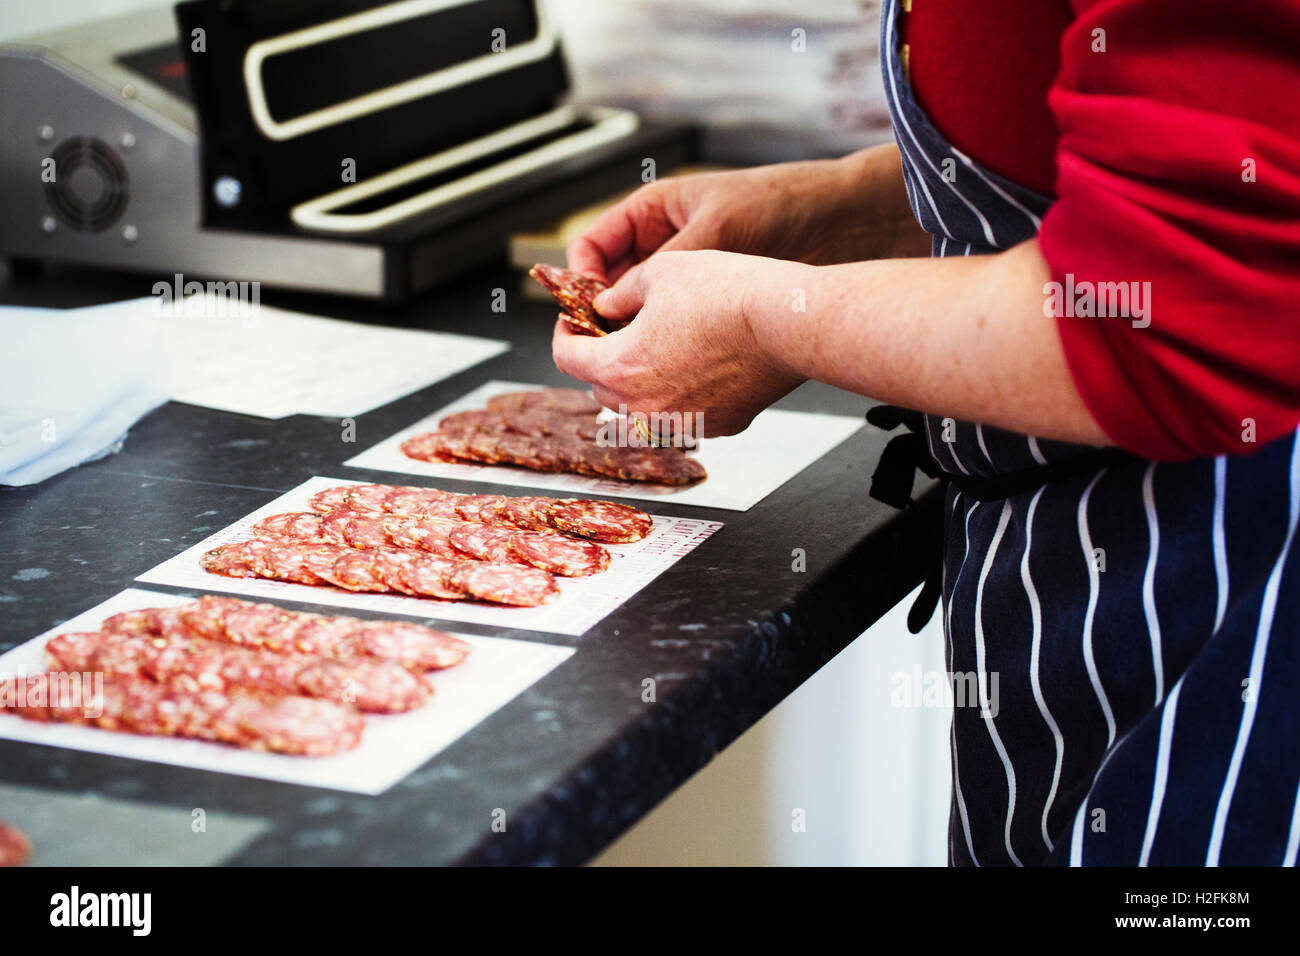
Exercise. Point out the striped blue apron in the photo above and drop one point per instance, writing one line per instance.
(1130, 631)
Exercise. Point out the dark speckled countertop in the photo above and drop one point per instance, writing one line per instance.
(726, 633)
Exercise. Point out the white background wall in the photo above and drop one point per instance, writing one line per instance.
(21, 17)
(872, 778)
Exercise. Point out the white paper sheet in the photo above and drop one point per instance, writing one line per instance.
(254, 359)
(392, 747)
(277, 363)
(582, 603)
(743, 469)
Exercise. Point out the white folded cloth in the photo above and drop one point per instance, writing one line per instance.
(72, 382)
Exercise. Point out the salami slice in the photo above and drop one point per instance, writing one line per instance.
(485, 446)
(483, 542)
(421, 501)
(456, 447)
(426, 447)
(68, 650)
(570, 401)
(276, 526)
(206, 617)
(444, 506)
(566, 401)
(330, 637)
(334, 526)
(289, 561)
(228, 560)
(528, 512)
(582, 324)
(431, 576)
(372, 686)
(515, 401)
(575, 292)
(258, 625)
(413, 644)
(390, 565)
(482, 508)
(292, 725)
(434, 536)
(260, 555)
(330, 499)
(558, 554)
(682, 470)
(477, 420)
(368, 497)
(244, 559)
(319, 560)
(168, 622)
(541, 420)
(665, 466)
(527, 420)
(305, 526)
(576, 455)
(308, 527)
(359, 571)
(504, 583)
(364, 531)
(528, 451)
(127, 623)
(600, 520)
(403, 531)
(15, 849)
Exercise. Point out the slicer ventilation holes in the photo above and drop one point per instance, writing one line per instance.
(91, 187)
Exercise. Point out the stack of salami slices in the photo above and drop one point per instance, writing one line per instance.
(550, 429)
(251, 675)
(576, 294)
(431, 543)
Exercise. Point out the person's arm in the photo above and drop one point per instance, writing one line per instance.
(726, 335)
(819, 211)
(960, 337)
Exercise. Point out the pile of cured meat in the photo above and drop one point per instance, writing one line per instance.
(552, 429)
(438, 544)
(250, 675)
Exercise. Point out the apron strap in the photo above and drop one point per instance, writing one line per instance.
(1015, 483)
(902, 458)
(892, 483)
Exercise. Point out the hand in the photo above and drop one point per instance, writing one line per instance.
(817, 212)
(691, 349)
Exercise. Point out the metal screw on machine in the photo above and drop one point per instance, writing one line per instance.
(49, 224)
(127, 141)
(227, 190)
(130, 233)
(46, 133)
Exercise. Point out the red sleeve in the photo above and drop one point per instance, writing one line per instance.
(1154, 135)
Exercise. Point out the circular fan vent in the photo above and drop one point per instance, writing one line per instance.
(91, 188)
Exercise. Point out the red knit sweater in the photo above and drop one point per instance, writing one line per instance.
(1174, 154)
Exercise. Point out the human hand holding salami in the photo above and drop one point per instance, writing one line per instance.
(691, 349)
